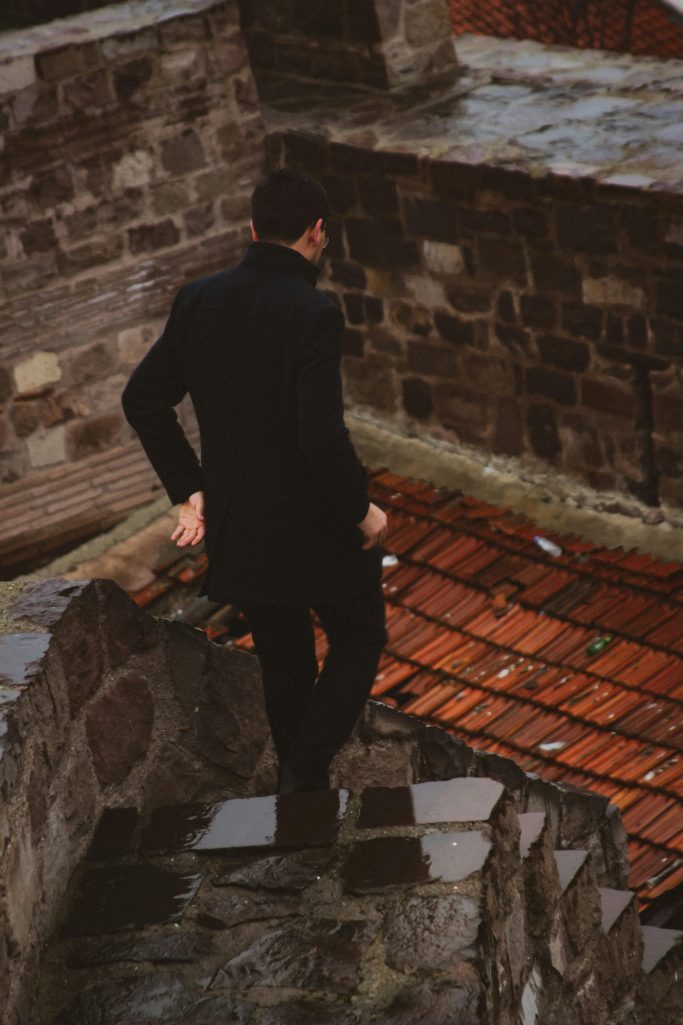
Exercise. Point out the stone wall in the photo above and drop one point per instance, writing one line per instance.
(104, 705)
(132, 140)
(538, 317)
(371, 43)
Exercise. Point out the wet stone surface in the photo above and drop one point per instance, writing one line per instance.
(20, 655)
(317, 954)
(309, 1012)
(117, 833)
(431, 932)
(236, 908)
(384, 863)
(158, 997)
(292, 871)
(459, 800)
(121, 897)
(286, 820)
(181, 946)
(222, 927)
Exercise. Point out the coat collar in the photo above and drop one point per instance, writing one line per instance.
(270, 256)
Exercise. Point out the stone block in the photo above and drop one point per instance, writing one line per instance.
(554, 273)
(132, 170)
(96, 434)
(199, 219)
(566, 353)
(292, 872)
(431, 933)
(613, 397)
(387, 863)
(355, 160)
(47, 447)
(426, 23)
(509, 429)
(131, 77)
(586, 228)
(118, 726)
(67, 61)
(543, 433)
(370, 383)
(430, 218)
(432, 360)
(22, 882)
(92, 90)
(149, 237)
(24, 417)
(538, 311)
(183, 153)
(582, 321)
(144, 998)
(531, 223)
(502, 259)
(448, 801)
(38, 370)
(126, 628)
(669, 291)
(378, 195)
(282, 957)
(38, 237)
(454, 329)
(442, 258)
(17, 73)
(551, 383)
(232, 725)
(348, 274)
(90, 254)
(641, 226)
(505, 307)
(302, 819)
(48, 190)
(417, 397)
(134, 342)
(613, 291)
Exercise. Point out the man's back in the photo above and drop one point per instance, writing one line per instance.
(259, 348)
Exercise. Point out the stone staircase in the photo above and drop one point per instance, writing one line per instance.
(440, 902)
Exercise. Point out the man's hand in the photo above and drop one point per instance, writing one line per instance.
(190, 529)
(374, 526)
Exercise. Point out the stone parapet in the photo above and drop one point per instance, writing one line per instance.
(107, 709)
(132, 141)
(378, 44)
(508, 285)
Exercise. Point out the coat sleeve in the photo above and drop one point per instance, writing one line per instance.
(322, 434)
(155, 386)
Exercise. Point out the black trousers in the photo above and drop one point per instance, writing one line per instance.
(311, 715)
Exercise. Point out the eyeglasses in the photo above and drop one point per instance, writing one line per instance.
(327, 240)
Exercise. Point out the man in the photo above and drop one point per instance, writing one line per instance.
(280, 495)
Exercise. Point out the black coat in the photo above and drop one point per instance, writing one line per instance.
(259, 350)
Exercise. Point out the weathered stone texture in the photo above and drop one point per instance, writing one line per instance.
(108, 143)
(521, 319)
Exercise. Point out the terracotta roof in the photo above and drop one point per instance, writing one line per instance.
(635, 26)
(570, 664)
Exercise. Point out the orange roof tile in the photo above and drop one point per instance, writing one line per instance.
(495, 640)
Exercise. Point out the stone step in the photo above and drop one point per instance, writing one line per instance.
(569, 863)
(531, 825)
(658, 945)
(613, 904)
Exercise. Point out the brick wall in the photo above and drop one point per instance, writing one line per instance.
(132, 140)
(535, 317)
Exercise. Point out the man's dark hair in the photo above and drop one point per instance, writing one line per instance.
(287, 203)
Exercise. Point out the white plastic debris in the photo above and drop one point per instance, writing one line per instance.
(553, 745)
(389, 560)
(548, 546)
